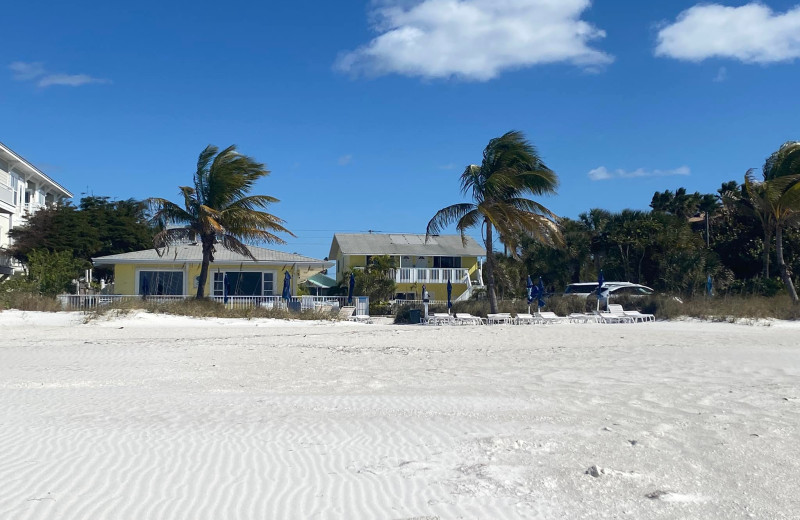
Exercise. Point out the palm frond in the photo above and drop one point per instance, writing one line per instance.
(446, 216)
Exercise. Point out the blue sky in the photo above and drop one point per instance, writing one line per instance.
(367, 112)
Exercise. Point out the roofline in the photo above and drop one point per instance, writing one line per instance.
(34, 168)
(100, 261)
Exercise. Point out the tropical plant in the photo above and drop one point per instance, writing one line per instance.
(777, 203)
(218, 209)
(511, 168)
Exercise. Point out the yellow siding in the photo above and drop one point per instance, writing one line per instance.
(125, 275)
(437, 291)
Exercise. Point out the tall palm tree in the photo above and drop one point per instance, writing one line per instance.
(779, 206)
(511, 168)
(218, 209)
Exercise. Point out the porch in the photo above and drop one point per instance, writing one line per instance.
(441, 275)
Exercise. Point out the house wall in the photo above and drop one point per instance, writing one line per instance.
(125, 275)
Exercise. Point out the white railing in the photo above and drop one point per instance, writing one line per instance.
(295, 303)
(414, 275)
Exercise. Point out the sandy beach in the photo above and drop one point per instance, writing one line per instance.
(158, 417)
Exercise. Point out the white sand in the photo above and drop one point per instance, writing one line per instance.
(153, 417)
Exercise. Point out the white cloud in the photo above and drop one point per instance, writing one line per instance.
(751, 33)
(71, 80)
(345, 160)
(602, 173)
(21, 71)
(475, 39)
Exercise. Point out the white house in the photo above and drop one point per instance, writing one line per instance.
(24, 189)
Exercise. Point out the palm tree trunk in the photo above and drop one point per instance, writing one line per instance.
(785, 276)
(201, 284)
(767, 241)
(490, 269)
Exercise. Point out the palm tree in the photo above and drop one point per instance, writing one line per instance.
(779, 206)
(511, 169)
(218, 209)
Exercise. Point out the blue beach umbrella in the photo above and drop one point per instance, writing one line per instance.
(602, 292)
(145, 287)
(541, 292)
(350, 288)
(529, 287)
(449, 295)
(709, 286)
(225, 288)
(287, 291)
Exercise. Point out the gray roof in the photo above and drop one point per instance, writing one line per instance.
(404, 244)
(193, 253)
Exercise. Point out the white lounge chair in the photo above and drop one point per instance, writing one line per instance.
(636, 315)
(550, 317)
(526, 319)
(348, 312)
(440, 318)
(499, 318)
(463, 318)
(580, 317)
(613, 317)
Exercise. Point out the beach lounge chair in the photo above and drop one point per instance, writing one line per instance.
(526, 319)
(612, 317)
(440, 318)
(463, 318)
(549, 317)
(348, 312)
(580, 317)
(636, 315)
(499, 318)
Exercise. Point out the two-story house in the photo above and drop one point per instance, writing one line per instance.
(417, 261)
(24, 189)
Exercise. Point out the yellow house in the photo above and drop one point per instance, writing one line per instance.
(176, 272)
(417, 262)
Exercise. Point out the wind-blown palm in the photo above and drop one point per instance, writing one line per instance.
(218, 209)
(776, 202)
(511, 168)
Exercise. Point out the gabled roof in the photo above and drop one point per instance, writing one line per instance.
(403, 244)
(7, 154)
(193, 254)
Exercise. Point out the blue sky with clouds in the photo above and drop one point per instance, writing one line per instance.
(367, 111)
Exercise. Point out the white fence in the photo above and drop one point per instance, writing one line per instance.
(295, 303)
(414, 275)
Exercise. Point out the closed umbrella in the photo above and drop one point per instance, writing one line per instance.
(287, 290)
(602, 292)
(541, 293)
(225, 289)
(350, 288)
(145, 287)
(529, 287)
(449, 295)
(709, 286)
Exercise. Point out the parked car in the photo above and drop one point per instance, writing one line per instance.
(586, 289)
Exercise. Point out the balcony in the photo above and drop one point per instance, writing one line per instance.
(414, 275)
(6, 199)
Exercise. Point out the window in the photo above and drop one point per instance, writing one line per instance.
(245, 283)
(447, 262)
(269, 284)
(161, 283)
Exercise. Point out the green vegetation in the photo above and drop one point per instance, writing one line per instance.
(511, 169)
(96, 227)
(373, 281)
(218, 209)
